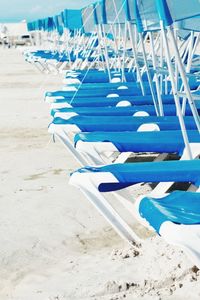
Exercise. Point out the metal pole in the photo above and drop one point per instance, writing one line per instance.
(135, 58)
(149, 75)
(124, 53)
(176, 98)
(106, 52)
(156, 75)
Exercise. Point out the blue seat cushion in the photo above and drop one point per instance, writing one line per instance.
(178, 207)
(128, 174)
(121, 123)
(169, 110)
(130, 141)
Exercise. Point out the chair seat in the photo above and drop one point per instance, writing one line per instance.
(178, 207)
(129, 174)
(98, 101)
(169, 110)
(141, 141)
(121, 123)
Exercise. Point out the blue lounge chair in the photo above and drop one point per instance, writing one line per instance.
(111, 178)
(63, 128)
(95, 145)
(61, 101)
(176, 217)
(111, 123)
(169, 110)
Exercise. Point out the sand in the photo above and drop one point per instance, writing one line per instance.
(54, 244)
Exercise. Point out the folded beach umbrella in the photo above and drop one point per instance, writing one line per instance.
(39, 24)
(31, 26)
(49, 24)
(58, 24)
(72, 19)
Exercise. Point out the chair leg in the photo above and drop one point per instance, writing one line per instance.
(98, 200)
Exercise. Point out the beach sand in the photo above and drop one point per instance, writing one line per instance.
(53, 244)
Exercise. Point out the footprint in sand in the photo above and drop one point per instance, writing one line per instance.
(42, 174)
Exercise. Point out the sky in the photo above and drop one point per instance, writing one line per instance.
(18, 10)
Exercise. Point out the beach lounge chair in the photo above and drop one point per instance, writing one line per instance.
(63, 128)
(98, 76)
(111, 100)
(169, 110)
(94, 182)
(101, 147)
(176, 218)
